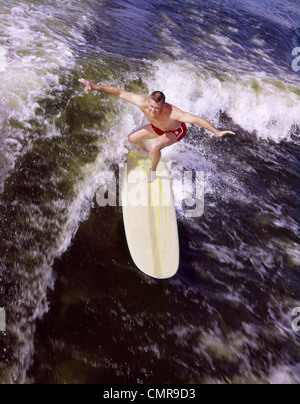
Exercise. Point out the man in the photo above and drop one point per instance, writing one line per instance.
(167, 123)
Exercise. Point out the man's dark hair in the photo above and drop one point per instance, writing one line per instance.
(158, 96)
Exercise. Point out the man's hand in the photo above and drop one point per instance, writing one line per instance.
(116, 92)
(90, 86)
(224, 133)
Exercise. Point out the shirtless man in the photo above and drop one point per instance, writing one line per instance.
(167, 122)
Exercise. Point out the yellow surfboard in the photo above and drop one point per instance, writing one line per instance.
(150, 218)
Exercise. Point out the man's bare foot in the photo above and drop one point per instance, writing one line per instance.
(151, 177)
(142, 149)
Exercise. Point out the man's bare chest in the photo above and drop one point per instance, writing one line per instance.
(163, 122)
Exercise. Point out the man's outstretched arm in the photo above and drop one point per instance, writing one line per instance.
(115, 91)
(185, 117)
(104, 89)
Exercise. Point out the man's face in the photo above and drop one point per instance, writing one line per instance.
(155, 108)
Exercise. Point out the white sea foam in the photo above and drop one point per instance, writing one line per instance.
(258, 103)
(34, 57)
(3, 63)
(36, 50)
(285, 374)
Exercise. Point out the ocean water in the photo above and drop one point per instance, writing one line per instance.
(77, 310)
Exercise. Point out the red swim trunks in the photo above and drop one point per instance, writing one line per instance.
(180, 133)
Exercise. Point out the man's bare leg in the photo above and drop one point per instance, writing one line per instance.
(144, 133)
(168, 139)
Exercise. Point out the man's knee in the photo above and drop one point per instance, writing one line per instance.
(131, 138)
